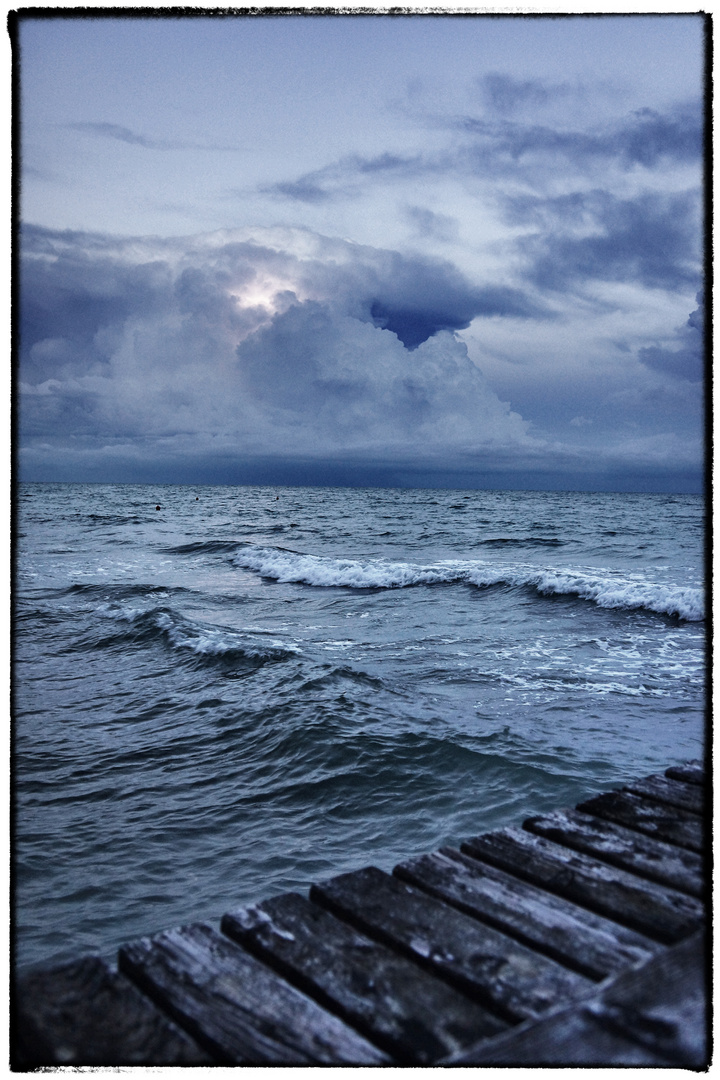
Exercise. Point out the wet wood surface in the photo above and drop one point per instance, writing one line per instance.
(578, 938)
(83, 1013)
(512, 979)
(633, 851)
(652, 1014)
(574, 940)
(663, 822)
(661, 913)
(662, 789)
(236, 1007)
(414, 1016)
(692, 772)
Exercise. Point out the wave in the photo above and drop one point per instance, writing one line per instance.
(607, 590)
(200, 639)
(200, 546)
(117, 591)
(113, 519)
(527, 541)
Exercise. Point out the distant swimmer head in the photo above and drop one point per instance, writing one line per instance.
(157, 507)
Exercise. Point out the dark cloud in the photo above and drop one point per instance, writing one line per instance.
(523, 150)
(73, 291)
(652, 239)
(415, 297)
(650, 136)
(686, 360)
(414, 327)
(416, 324)
(382, 163)
(505, 94)
(644, 137)
(343, 179)
(224, 338)
(304, 190)
(197, 357)
(428, 223)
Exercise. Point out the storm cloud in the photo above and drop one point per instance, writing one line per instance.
(651, 239)
(684, 356)
(452, 251)
(275, 344)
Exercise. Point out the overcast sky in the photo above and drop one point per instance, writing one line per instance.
(411, 250)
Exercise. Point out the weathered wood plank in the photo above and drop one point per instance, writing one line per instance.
(666, 823)
(633, 851)
(414, 1016)
(496, 970)
(570, 1038)
(690, 797)
(572, 935)
(83, 1013)
(691, 772)
(659, 912)
(663, 1005)
(652, 1014)
(235, 1006)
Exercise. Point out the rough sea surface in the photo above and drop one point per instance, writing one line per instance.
(254, 688)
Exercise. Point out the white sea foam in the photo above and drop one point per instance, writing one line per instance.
(606, 589)
(200, 638)
(216, 641)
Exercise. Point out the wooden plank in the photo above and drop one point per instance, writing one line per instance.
(652, 1014)
(414, 1016)
(690, 797)
(569, 1038)
(633, 851)
(572, 935)
(83, 1013)
(666, 823)
(512, 979)
(690, 772)
(235, 1006)
(664, 1004)
(661, 913)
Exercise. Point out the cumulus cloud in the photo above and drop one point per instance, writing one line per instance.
(345, 382)
(262, 353)
(253, 342)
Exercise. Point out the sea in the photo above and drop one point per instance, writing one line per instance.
(225, 693)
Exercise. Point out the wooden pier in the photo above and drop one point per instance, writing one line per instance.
(578, 939)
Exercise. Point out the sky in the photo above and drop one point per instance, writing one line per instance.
(423, 250)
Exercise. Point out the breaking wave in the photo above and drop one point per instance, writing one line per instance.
(607, 590)
(198, 638)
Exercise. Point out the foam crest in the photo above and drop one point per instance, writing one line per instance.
(606, 589)
(611, 592)
(291, 566)
(202, 639)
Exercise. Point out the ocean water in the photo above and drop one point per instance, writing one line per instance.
(254, 688)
